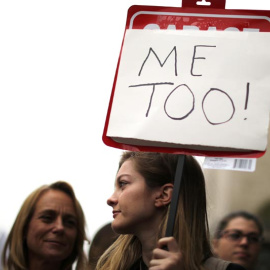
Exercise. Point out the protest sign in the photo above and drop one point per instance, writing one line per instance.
(195, 89)
(202, 91)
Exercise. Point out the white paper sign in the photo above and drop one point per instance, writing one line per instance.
(196, 89)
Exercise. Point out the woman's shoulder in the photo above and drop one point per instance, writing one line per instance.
(216, 263)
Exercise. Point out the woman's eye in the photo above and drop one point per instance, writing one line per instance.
(46, 218)
(122, 184)
(70, 223)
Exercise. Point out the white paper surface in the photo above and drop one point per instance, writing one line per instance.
(193, 88)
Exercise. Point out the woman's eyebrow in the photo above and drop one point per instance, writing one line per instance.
(54, 212)
(47, 211)
(72, 216)
(122, 175)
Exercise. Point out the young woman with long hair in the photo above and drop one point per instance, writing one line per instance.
(141, 202)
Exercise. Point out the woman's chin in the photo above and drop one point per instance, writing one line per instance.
(119, 228)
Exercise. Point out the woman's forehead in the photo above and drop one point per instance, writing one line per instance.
(127, 167)
(55, 199)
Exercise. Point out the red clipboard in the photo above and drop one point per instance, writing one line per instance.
(204, 18)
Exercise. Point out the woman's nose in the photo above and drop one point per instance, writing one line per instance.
(112, 200)
(58, 224)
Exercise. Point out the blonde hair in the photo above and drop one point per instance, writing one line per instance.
(191, 225)
(15, 251)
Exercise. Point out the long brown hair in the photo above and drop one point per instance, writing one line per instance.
(15, 251)
(191, 224)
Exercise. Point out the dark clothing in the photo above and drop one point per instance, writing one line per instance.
(140, 265)
(233, 266)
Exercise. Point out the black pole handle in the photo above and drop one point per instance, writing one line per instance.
(175, 195)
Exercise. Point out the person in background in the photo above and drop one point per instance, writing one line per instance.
(238, 238)
(140, 206)
(104, 237)
(48, 232)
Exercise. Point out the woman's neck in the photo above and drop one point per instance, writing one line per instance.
(148, 241)
(147, 235)
(44, 265)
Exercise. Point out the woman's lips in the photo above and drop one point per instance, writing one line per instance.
(55, 242)
(115, 213)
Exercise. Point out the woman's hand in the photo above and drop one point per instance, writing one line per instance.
(170, 259)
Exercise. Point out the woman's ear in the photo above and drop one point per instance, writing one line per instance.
(164, 195)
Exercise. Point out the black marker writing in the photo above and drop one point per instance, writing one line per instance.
(160, 63)
(152, 94)
(192, 105)
(204, 111)
(196, 58)
(181, 101)
(247, 96)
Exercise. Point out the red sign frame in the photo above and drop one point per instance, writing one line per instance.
(203, 19)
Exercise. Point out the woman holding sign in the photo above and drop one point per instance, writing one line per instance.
(140, 202)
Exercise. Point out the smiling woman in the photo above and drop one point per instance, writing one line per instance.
(49, 231)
